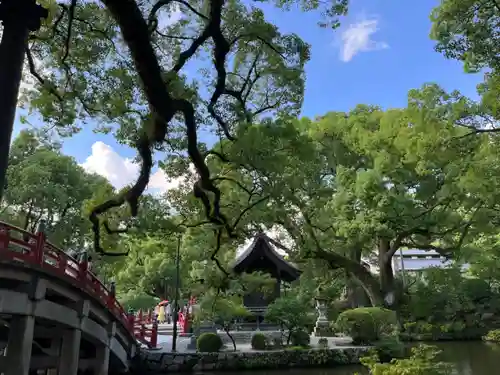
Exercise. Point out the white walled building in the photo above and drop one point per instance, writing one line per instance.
(415, 260)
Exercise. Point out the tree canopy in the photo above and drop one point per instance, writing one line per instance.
(128, 73)
(341, 189)
(43, 183)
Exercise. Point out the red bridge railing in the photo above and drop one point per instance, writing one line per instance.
(147, 336)
(18, 245)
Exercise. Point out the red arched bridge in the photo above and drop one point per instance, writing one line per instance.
(56, 315)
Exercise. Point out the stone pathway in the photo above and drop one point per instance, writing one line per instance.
(165, 344)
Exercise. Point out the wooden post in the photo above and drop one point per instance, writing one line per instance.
(40, 242)
(18, 17)
(176, 297)
(154, 334)
(4, 237)
(112, 296)
(131, 322)
(83, 267)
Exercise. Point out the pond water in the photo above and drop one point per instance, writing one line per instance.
(469, 358)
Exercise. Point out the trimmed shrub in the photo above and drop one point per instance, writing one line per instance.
(365, 325)
(209, 342)
(259, 341)
(300, 338)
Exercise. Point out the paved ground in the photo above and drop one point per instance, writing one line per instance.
(165, 343)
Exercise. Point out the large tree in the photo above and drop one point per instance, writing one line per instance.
(365, 183)
(43, 183)
(468, 31)
(123, 63)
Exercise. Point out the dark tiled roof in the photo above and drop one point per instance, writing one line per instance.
(263, 240)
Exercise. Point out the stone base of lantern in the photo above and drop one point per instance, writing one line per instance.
(322, 328)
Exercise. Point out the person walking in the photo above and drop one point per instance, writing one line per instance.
(161, 314)
(168, 313)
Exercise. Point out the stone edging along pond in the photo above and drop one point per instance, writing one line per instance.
(162, 363)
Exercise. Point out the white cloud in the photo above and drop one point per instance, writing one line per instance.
(121, 171)
(358, 38)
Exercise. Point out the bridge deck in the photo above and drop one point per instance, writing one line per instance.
(60, 306)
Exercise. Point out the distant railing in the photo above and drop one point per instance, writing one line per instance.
(150, 318)
(20, 246)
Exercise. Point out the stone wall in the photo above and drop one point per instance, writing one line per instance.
(245, 337)
(152, 363)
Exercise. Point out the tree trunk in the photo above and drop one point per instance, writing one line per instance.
(356, 271)
(387, 280)
(356, 295)
(371, 288)
(226, 329)
(27, 217)
(289, 337)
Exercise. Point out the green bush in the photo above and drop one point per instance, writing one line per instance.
(259, 341)
(433, 301)
(366, 325)
(288, 312)
(323, 343)
(388, 348)
(457, 330)
(300, 338)
(209, 342)
(493, 336)
(423, 361)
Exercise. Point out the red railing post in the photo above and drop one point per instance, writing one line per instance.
(131, 322)
(154, 334)
(142, 327)
(83, 267)
(40, 242)
(4, 237)
(63, 263)
(185, 328)
(180, 320)
(112, 294)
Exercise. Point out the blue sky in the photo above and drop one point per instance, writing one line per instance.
(381, 51)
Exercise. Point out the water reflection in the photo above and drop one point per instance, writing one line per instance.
(470, 358)
(341, 370)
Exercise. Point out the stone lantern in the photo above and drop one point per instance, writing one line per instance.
(322, 324)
